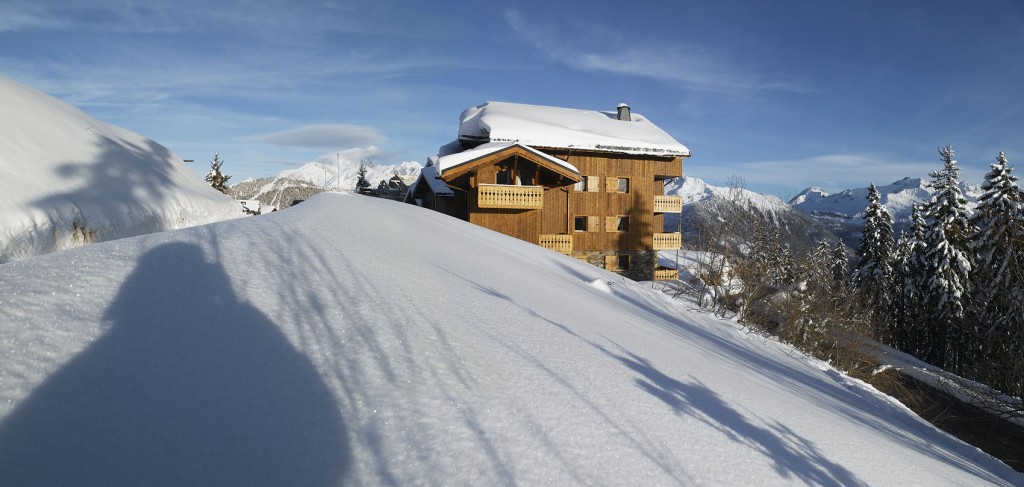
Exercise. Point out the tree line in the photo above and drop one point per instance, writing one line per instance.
(950, 291)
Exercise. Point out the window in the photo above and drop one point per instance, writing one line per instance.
(617, 263)
(616, 185)
(616, 224)
(504, 176)
(586, 223)
(622, 262)
(524, 175)
(588, 184)
(581, 224)
(623, 185)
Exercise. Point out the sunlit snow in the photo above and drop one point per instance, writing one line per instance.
(356, 340)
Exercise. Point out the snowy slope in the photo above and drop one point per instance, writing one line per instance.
(375, 343)
(67, 178)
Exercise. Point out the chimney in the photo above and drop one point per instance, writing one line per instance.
(623, 112)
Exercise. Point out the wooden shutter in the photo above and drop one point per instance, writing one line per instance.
(611, 223)
(592, 184)
(611, 185)
(611, 262)
(593, 223)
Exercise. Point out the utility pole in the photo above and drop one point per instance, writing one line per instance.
(337, 176)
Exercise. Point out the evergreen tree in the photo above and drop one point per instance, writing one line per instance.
(873, 274)
(998, 283)
(215, 177)
(948, 267)
(840, 267)
(362, 185)
(913, 287)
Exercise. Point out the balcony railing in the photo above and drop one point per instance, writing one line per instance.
(508, 196)
(664, 241)
(558, 243)
(666, 274)
(668, 204)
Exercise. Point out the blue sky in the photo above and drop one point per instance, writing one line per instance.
(785, 94)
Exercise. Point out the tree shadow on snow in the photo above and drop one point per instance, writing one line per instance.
(791, 454)
(189, 386)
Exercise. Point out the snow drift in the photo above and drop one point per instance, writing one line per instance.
(374, 343)
(68, 179)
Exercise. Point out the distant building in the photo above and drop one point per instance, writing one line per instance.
(394, 188)
(585, 183)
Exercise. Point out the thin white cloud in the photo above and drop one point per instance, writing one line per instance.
(324, 135)
(831, 172)
(16, 16)
(354, 154)
(690, 66)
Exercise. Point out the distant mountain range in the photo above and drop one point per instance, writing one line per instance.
(708, 210)
(298, 184)
(810, 217)
(842, 212)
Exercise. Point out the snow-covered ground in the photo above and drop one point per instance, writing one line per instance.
(370, 342)
(67, 179)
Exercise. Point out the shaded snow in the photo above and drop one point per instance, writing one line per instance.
(67, 179)
(374, 342)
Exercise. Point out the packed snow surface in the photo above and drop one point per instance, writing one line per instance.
(545, 126)
(68, 179)
(362, 341)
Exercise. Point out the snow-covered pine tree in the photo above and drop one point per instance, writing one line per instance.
(872, 276)
(362, 185)
(912, 287)
(948, 267)
(840, 265)
(998, 281)
(215, 177)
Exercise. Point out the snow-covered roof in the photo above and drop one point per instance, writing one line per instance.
(437, 186)
(448, 162)
(568, 128)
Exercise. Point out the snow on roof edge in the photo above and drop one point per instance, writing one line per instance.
(451, 161)
(566, 128)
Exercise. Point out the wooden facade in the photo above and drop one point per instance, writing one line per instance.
(604, 207)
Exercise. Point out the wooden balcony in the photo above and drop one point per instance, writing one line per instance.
(666, 274)
(508, 196)
(558, 243)
(668, 204)
(665, 241)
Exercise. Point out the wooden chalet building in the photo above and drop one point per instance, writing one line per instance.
(589, 184)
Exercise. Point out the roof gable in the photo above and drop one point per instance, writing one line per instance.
(454, 165)
(568, 128)
(428, 176)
